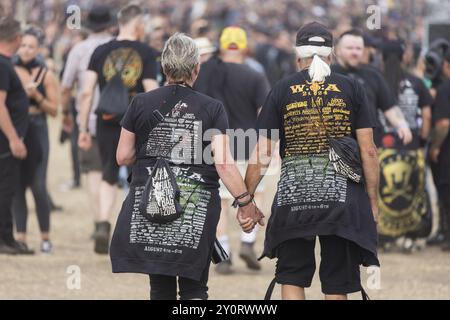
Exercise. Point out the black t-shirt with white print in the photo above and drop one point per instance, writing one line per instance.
(413, 96)
(182, 247)
(312, 198)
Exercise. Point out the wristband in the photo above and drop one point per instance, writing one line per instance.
(236, 202)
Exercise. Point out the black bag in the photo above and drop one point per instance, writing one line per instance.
(160, 200)
(114, 98)
(345, 157)
(344, 154)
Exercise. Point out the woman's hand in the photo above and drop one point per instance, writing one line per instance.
(248, 216)
(246, 224)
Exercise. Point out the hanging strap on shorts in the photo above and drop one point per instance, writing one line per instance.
(364, 294)
(269, 291)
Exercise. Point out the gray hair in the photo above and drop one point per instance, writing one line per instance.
(180, 57)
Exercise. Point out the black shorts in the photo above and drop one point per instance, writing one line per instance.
(339, 266)
(164, 287)
(108, 135)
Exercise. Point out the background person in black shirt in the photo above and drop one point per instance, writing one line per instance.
(404, 205)
(13, 126)
(440, 149)
(242, 90)
(349, 58)
(138, 75)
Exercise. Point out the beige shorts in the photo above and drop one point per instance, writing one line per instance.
(242, 166)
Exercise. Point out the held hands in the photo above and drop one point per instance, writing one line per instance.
(248, 216)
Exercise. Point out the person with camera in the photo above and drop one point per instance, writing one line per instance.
(440, 148)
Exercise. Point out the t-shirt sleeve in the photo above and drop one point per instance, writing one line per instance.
(94, 61)
(150, 65)
(261, 90)
(364, 117)
(385, 96)
(5, 79)
(425, 98)
(129, 120)
(269, 118)
(441, 108)
(220, 119)
(70, 69)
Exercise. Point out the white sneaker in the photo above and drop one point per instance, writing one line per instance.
(46, 247)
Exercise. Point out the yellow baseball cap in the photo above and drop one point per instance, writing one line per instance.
(233, 38)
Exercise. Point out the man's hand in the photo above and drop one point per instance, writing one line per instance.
(18, 149)
(404, 133)
(434, 154)
(84, 141)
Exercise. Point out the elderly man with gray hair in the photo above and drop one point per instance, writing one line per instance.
(187, 131)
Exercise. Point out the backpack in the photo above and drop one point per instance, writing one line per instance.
(160, 200)
(114, 98)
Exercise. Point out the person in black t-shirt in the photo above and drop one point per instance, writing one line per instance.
(185, 136)
(307, 110)
(13, 126)
(440, 149)
(349, 53)
(242, 90)
(138, 65)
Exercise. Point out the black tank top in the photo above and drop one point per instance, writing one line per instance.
(40, 76)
